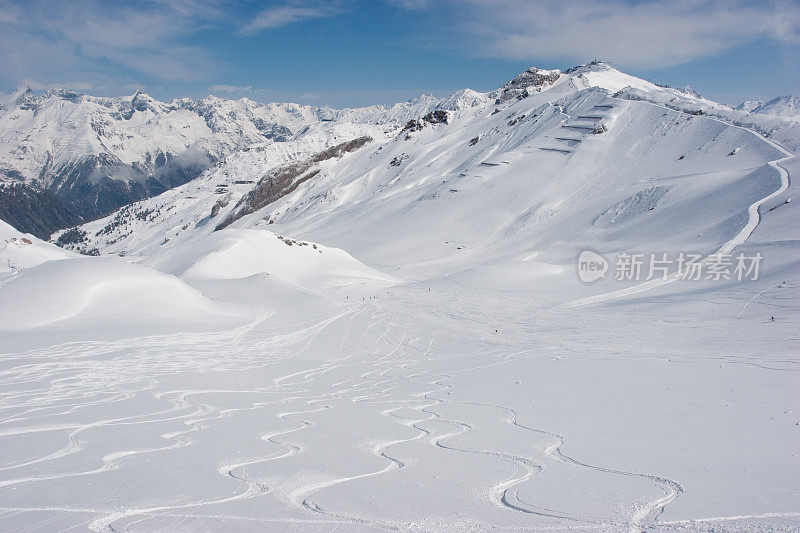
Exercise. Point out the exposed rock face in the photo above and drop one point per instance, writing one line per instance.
(529, 81)
(438, 116)
(286, 179)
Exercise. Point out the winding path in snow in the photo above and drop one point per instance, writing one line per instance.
(754, 217)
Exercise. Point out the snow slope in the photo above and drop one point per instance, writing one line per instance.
(19, 250)
(234, 254)
(782, 106)
(423, 373)
(104, 292)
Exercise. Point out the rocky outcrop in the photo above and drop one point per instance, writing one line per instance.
(532, 80)
(285, 180)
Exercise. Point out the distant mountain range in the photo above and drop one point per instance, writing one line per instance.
(68, 158)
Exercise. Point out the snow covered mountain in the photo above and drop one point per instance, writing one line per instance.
(66, 156)
(787, 106)
(379, 323)
(97, 154)
(538, 163)
(749, 105)
(782, 106)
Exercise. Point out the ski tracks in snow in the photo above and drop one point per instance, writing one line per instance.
(381, 366)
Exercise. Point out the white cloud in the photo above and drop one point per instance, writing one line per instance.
(647, 34)
(229, 89)
(104, 43)
(275, 17)
(236, 89)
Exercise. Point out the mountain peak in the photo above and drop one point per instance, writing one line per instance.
(141, 96)
(781, 106)
(22, 95)
(531, 80)
(593, 66)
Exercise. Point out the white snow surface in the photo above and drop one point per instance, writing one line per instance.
(402, 341)
(22, 250)
(782, 106)
(241, 253)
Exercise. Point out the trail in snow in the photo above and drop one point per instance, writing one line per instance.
(754, 218)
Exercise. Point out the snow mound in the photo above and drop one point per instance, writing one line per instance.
(107, 293)
(239, 253)
(21, 250)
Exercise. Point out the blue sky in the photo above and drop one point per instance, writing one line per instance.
(361, 52)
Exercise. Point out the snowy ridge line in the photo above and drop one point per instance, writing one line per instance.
(728, 247)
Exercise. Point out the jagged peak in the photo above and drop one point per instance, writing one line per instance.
(534, 76)
(23, 96)
(465, 98)
(141, 96)
(24, 91)
(687, 89)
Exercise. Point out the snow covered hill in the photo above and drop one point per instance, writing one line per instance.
(19, 251)
(380, 324)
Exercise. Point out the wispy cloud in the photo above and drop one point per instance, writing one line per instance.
(230, 89)
(283, 15)
(97, 40)
(239, 90)
(645, 34)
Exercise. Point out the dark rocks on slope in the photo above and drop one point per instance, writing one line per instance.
(34, 211)
(522, 85)
(285, 180)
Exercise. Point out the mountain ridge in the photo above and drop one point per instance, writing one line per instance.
(522, 167)
(97, 154)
